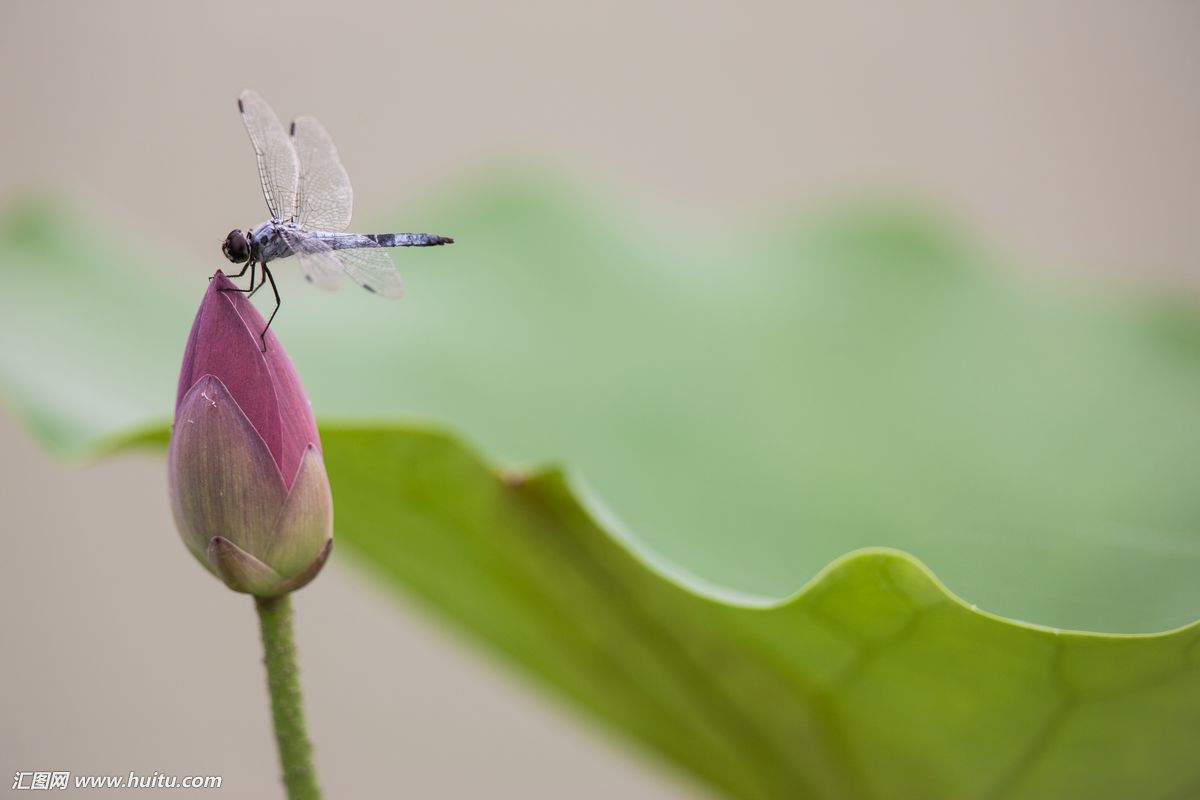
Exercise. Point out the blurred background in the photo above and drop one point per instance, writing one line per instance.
(1065, 138)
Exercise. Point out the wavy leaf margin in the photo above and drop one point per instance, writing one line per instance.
(872, 681)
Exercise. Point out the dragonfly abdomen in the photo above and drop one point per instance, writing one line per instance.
(351, 241)
(408, 239)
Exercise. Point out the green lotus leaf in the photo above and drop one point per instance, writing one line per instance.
(873, 681)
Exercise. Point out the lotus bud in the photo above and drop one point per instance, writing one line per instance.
(247, 482)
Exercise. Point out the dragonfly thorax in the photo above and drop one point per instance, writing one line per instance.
(273, 239)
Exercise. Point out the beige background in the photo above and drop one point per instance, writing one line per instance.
(1066, 134)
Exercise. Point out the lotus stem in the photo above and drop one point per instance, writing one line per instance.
(287, 709)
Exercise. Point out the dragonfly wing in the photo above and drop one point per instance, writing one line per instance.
(318, 261)
(369, 265)
(324, 199)
(278, 167)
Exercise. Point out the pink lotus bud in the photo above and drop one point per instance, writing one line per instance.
(247, 482)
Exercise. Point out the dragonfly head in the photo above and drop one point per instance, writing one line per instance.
(236, 247)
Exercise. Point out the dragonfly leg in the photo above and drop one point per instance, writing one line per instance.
(275, 290)
(249, 266)
(261, 283)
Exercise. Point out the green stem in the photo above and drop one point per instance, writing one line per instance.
(287, 710)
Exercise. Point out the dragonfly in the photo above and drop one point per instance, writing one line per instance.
(309, 198)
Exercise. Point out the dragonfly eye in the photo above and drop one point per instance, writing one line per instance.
(236, 247)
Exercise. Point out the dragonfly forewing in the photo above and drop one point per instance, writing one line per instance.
(324, 199)
(278, 168)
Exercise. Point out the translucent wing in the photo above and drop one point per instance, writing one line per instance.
(372, 268)
(323, 196)
(277, 164)
(317, 261)
(357, 256)
(367, 264)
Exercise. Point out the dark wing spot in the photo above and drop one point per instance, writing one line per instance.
(292, 132)
(368, 288)
(241, 108)
(308, 278)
